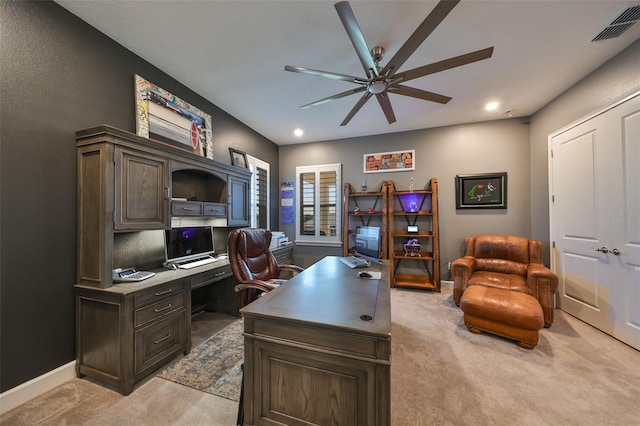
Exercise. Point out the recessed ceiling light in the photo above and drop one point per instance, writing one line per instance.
(298, 132)
(491, 106)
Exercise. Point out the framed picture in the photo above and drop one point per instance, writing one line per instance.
(165, 117)
(238, 158)
(483, 191)
(394, 161)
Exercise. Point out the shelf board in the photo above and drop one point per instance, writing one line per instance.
(424, 255)
(418, 213)
(414, 281)
(418, 191)
(376, 213)
(426, 234)
(365, 194)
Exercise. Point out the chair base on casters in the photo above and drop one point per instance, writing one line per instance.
(511, 314)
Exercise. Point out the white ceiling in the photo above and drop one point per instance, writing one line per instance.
(233, 53)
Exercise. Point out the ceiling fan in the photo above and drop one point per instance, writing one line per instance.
(380, 81)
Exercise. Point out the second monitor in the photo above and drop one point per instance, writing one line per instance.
(368, 242)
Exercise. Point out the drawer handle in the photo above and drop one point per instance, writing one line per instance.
(164, 309)
(219, 274)
(163, 339)
(162, 293)
(189, 209)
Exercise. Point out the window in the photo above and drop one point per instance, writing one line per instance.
(260, 175)
(319, 204)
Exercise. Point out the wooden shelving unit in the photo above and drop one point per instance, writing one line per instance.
(414, 208)
(364, 209)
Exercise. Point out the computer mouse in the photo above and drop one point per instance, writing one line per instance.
(364, 274)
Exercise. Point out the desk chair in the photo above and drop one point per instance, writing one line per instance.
(254, 266)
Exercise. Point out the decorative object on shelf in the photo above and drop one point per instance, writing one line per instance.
(160, 114)
(364, 185)
(371, 210)
(393, 161)
(411, 202)
(411, 184)
(356, 209)
(238, 158)
(412, 247)
(481, 191)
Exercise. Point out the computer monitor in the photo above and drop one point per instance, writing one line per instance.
(186, 243)
(368, 242)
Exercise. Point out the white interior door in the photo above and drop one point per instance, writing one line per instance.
(595, 220)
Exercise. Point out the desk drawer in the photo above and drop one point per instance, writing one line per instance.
(214, 209)
(186, 208)
(156, 343)
(159, 309)
(159, 293)
(211, 276)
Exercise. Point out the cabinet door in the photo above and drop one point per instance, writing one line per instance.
(141, 192)
(238, 193)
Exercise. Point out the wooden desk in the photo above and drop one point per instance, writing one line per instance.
(318, 349)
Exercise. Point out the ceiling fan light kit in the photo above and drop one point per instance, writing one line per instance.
(380, 81)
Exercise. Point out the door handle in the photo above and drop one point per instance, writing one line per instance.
(615, 251)
(603, 249)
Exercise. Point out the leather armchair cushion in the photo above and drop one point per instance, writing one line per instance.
(508, 247)
(511, 282)
(512, 308)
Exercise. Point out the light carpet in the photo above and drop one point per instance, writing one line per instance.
(214, 366)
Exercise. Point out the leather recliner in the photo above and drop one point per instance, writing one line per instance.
(509, 263)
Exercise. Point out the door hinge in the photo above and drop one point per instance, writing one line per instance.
(553, 244)
(553, 198)
(551, 153)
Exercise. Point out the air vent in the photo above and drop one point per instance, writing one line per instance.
(619, 25)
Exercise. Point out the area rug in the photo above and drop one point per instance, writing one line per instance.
(214, 366)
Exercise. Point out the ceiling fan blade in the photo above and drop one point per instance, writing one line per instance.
(435, 67)
(385, 104)
(363, 100)
(418, 93)
(357, 39)
(430, 23)
(326, 74)
(334, 97)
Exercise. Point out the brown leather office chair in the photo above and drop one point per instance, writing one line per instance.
(254, 266)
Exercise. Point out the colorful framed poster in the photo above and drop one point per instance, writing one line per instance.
(394, 161)
(483, 191)
(167, 118)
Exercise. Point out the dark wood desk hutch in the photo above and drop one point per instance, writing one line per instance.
(126, 183)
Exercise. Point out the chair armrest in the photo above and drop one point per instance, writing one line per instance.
(255, 284)
(461, 269)
(295, 269)
(543, 283)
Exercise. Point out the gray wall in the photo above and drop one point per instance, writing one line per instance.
(494, 146)
(504, 145)
(59, 75)
(614, 80)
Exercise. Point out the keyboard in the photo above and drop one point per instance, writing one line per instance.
(354, 262)
(189, 265)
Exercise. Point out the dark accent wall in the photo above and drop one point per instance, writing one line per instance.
(60, 75)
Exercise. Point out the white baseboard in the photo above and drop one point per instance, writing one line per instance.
(37, 386)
